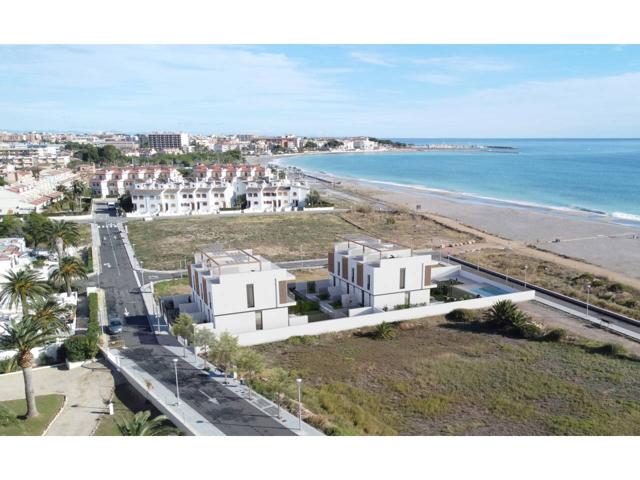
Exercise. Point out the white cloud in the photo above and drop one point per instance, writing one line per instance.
(435, 78)
(577, 107)
(466, 64)
(371, 58)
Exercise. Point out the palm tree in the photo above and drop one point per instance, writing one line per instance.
(69, 269)
(505, 313)
(78, 188)
(141, 425)
(62, 234)
(49, 311)
(24, 336)
(384, 331)
(21, 287)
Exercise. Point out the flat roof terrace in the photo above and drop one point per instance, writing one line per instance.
(376, 244)
(233, 261)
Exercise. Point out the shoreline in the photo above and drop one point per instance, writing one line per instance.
(615, 218)
(595, 240)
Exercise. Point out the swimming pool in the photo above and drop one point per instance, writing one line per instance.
(488, 290)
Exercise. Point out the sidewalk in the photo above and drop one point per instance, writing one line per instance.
(287, 419)
(164, 399)
(267, 406)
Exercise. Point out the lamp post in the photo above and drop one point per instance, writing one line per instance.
(526, 267)
(299, 383)
(175, 367)
(588, 293)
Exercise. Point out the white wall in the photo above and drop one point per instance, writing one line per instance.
(350, 323)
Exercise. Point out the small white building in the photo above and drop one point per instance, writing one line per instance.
(275, 196)
(238, 292)
(370, 272)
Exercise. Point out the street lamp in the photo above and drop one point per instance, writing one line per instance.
(526, 267)
(588, 293)
(299, 383)
(175, 367)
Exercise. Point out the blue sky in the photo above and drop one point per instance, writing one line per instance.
(385, 90)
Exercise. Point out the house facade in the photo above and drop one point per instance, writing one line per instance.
(237, 291)
(194, 198)
(113, 182)
(370, 272)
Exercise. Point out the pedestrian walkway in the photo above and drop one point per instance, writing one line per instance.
(87, 388)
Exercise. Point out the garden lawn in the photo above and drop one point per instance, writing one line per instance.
(48, 406)
(178, 286)
(442, 378)
(126, 403)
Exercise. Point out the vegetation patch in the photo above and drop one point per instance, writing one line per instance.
(604, 292)
(458, 378)
(13, 421)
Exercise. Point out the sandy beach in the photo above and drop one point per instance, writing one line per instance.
(594, 243)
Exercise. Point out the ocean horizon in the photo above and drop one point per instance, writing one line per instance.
(600, 176)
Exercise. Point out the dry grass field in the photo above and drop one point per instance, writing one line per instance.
(443, 378)
(163, 243)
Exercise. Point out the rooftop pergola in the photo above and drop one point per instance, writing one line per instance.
(376, 244)
(218, 257)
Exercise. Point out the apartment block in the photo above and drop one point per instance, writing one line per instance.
(168, 141)
(370, 272)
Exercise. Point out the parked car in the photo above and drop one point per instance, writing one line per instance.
(114, 327)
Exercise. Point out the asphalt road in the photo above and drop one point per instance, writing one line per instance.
(228, 412)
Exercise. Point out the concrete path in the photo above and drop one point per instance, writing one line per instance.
(87, 388)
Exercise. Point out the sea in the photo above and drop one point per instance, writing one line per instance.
(597, 176)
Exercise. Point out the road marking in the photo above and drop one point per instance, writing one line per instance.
(211, 399)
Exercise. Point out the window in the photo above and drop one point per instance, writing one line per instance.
(353, 274)
(338, 267)
(334, 281)
(258, 320)
(251, 301)
(403, 272)
(368, 282)
(347, 287)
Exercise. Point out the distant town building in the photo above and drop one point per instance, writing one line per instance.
(168, 141)
(115, 181)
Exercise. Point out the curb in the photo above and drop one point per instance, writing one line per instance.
(55, 365)
(64, 404)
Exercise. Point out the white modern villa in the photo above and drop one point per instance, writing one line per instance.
(370, 272)
(238, 292)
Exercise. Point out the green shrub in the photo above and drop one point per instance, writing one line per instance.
(462, 315)
(8, 365)
(337, 304)
(384, 331)
(529, 330)
(76, 348)
(555, 335)
(311, 287)
(612, 349)
(324, 296)
(305, 306)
